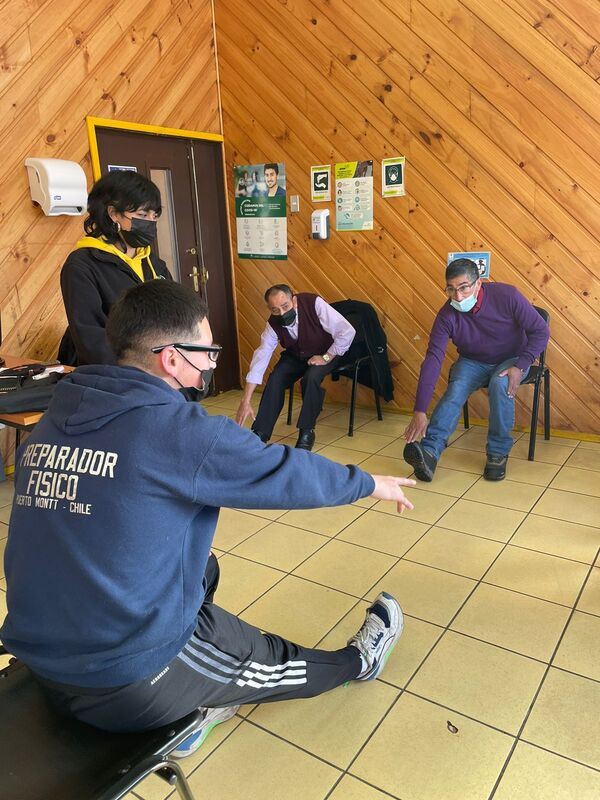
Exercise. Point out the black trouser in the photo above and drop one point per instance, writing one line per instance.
(225, 663)
(286, 372)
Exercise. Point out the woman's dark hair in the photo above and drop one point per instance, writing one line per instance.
(153, 313)
(126, 191)
(462, 266)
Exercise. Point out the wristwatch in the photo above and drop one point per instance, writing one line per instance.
(326, 357)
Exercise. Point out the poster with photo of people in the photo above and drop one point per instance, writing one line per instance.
(260, 210)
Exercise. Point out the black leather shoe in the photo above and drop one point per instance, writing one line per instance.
(495, 469)
(306, 439)
(262, 436)
(423, 462)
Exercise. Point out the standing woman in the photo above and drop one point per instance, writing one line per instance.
(114, 255)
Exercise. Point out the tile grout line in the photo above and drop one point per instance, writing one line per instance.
(446, 628)
(542, 681)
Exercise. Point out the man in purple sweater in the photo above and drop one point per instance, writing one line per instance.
(498, 335)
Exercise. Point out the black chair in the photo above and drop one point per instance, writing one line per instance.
(358, 357)
(536, 374)
(45, 756)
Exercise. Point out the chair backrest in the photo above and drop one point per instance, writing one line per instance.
(363, 318)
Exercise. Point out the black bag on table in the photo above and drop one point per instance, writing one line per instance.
(20, 392)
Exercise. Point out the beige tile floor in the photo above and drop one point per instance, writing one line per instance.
(500, 584)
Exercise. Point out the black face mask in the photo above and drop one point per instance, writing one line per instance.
(286, 319)
(142, 233)
(191, 393)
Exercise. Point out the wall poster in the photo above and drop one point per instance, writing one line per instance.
(260, 210)
(354, 196)
(482, 259)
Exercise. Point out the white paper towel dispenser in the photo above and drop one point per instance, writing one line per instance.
(57, 186)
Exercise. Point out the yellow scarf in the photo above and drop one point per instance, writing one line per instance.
(134, 263)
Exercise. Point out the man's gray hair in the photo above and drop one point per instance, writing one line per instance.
(462, 266)
(279, 287)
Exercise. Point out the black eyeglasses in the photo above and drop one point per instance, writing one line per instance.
(451, 291)
(213, 351)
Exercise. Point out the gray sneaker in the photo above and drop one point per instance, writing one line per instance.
(381, 630)
(212, 717)
(495, 468)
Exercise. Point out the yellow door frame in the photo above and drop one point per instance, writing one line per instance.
(98, 122)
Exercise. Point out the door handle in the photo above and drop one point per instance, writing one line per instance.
(203, 275)
(194, 275)
(191, 251)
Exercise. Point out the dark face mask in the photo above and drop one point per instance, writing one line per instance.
(191, 393)
(142, 233)
(286, 319)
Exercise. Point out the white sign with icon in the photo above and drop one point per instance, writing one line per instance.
(320, 183)
(392, 177)
(481, 259)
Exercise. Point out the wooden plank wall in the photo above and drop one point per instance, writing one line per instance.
(496, 106)
(147, 61)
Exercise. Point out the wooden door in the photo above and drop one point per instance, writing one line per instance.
(193, 237)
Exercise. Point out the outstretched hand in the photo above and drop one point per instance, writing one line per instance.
(244, 411)
(388, 487)
(416, 428)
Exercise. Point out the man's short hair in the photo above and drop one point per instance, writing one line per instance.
(272, 166)
(153, 313)
(279, 287)
(462, 266)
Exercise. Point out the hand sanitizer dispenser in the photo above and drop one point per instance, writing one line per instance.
(57, 186)
(320, 224)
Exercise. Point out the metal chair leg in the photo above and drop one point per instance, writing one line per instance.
(378, 405)
(353, 401)
(547, 404)
(534, 418)
(290, 405)
(182, 786)
(466, 415)
(375, 395)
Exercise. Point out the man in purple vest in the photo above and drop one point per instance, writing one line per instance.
(314, 335)
(498, 335)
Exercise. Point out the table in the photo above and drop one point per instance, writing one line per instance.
(23, 420)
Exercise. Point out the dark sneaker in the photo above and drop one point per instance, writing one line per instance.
(212, 717)
(495, 469)
(306, 439)
(381, 630)
(422, 461)
(262, 436)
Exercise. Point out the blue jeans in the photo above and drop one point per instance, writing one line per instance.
(465, 377)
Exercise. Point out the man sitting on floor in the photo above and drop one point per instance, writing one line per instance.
(498, 335)
(313, 335)
(110, 579)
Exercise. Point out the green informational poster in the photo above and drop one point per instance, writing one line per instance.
(392, 177)
(260, 211)
(354, 196)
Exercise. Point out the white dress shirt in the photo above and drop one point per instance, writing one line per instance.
(331, 321)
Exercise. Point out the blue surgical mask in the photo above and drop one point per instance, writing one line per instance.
(464, 305)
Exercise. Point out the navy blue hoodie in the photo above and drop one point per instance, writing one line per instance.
(117, 496)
